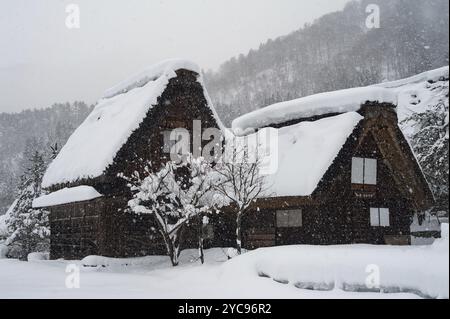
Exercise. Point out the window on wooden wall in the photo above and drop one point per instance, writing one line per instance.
(364, 171)
(379, 217)
(289, 218)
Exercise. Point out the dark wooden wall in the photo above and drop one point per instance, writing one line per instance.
(386, 195)
(75, 230)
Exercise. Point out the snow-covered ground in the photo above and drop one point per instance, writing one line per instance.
(279, 272)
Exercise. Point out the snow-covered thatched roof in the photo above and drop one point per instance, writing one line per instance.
(417, 94)
(349, 100)
(429, 76)
(304, 152)
(95, 143)
(342, 101)
(67, 195)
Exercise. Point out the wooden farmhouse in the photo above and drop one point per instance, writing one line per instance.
(87, 199)
(345, 173)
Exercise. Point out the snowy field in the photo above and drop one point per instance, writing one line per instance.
(280, 272)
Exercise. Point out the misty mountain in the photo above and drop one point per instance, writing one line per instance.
(23, 133)
(335, 52)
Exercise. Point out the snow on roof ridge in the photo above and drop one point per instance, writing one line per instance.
(432, 75)
(67, 195)
(341, 101)
(151, 73)
(303, 107)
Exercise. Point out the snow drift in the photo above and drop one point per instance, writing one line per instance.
(422, 270)
(38, 256)
(276, 272)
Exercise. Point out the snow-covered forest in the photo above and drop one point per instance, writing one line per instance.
(335, 52)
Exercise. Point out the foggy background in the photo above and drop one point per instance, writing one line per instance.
(43, 62)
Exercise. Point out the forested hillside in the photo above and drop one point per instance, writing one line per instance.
(335, 52)
(21, 134)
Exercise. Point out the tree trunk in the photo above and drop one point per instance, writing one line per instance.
(239, 233)
(200, 234)
(200, 250)
(172, 247)
(175, 254)
(177, 241)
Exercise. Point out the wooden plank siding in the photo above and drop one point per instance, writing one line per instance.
(75, 230)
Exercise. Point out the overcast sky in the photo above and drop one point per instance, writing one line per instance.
(42, 61)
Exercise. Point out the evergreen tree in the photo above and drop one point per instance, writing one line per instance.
(431, 144)
(29, 227)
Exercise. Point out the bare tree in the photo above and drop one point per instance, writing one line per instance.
(241, 182)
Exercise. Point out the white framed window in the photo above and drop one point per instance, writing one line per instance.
(364, 171)
(379, 217)
(289, 218)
